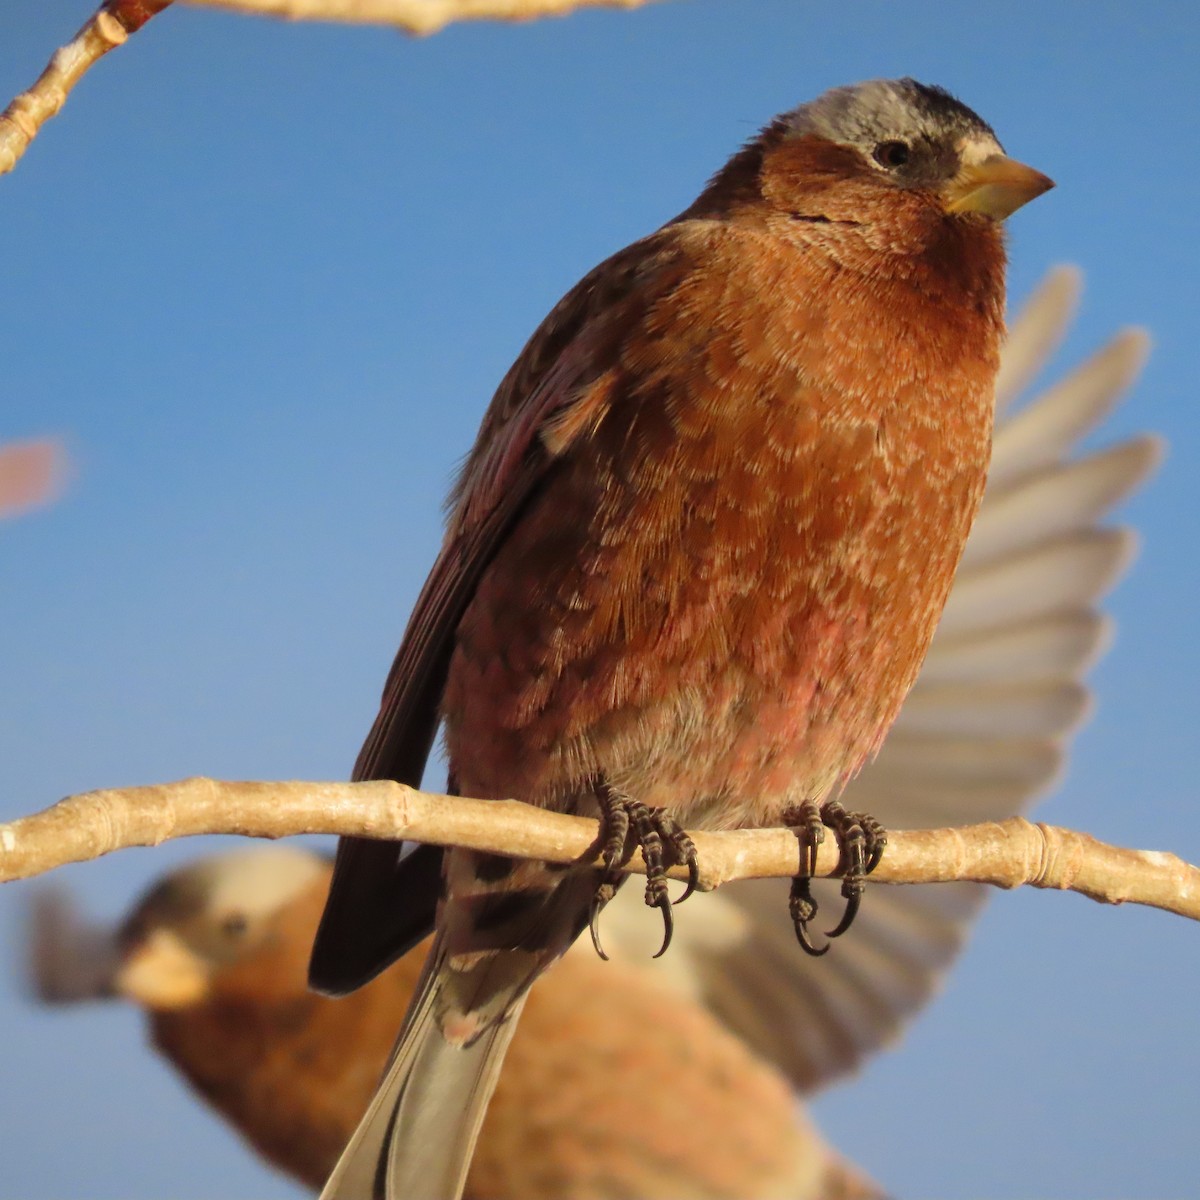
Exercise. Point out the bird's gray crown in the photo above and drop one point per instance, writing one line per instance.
(881, 110)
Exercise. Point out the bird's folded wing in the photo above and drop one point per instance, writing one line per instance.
(982, 735)
(380, 905)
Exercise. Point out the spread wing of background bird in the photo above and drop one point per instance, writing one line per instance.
(983, 734)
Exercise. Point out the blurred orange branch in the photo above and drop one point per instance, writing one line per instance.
(414, 16)
(30, 474)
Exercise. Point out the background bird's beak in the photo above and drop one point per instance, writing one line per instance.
(996, 187)
(161, 973)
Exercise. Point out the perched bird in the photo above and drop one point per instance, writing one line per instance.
(692, 567)
(994, 706)
(588, 1106)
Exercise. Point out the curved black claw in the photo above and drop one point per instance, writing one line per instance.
(693, 866)
(599, 900)
(803, 908)
(663, 903)
(852, 903)
(806, 945)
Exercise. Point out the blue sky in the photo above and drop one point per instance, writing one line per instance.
(263, 278)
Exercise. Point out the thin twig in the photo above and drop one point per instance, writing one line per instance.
(1005, 853)
(108, 28)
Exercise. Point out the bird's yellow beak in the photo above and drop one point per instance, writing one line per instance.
(995, 187)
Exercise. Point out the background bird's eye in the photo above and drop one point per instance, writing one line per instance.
(234, 925)
(891, 154)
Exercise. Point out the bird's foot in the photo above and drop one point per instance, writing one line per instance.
(626, 824)
(861, 839)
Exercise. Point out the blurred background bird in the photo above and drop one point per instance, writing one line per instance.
(615, 1085)
(983, 734)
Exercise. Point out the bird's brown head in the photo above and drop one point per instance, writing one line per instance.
(201, 922)
(891, 162)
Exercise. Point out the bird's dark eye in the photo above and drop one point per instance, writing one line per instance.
(891, 154)
(234, 925)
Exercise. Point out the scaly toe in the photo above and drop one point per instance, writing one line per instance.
(678, 849)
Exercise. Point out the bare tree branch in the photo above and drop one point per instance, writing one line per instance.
(1006, 853)
(108, 28)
